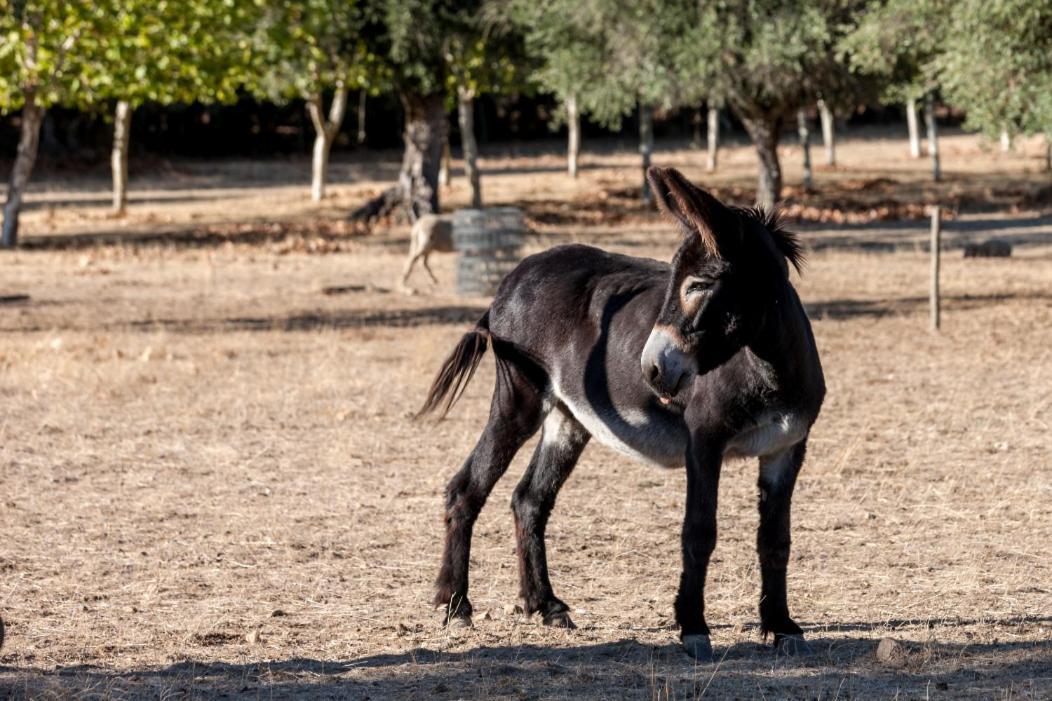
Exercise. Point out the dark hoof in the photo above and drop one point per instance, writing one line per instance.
(560, 619)
(698, 647)
(458, 622)
(792, 645)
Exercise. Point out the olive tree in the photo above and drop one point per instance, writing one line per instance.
(307, 49)
(47, 48)
(898, 42)
(996, 63)
(606, 59)
(165, 52)
(765, 59)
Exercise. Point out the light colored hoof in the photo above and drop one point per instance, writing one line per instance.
(560, 620)
(698, 647)
(793, 646)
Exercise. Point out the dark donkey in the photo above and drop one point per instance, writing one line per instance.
(729, 369)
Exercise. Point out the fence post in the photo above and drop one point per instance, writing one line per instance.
(936, 241)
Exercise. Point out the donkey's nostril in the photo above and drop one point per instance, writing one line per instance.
(653, 373)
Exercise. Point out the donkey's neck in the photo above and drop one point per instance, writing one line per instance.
(783, 346)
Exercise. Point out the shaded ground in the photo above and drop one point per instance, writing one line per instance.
(210, 484)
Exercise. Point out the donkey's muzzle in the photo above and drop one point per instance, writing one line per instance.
(665, 363)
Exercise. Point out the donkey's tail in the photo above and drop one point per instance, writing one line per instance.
(457, 371)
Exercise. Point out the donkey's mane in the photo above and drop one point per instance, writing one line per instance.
(785, 241)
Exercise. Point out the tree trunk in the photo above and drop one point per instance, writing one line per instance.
(714, 138)
(646, 145)
(828, 132)
(764, 132)
(573, 127)
(466, 117)
(445, 171)
(933, 137)
(911, 123)
(119, 156)
(1006, 141)
(695, 129)
(325, 133)
(805, 145)
(425, 132)
(1048, 152)
(361, 117)
(28, 142)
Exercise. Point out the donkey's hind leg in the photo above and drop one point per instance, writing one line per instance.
(427, 267)
(562, 440)
(516, 413)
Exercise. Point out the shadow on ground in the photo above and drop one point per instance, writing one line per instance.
(468, 314)
(624, 669)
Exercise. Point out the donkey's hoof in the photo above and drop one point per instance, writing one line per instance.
(560, 619)
(458, 622)
(792, 645)
(698, 647)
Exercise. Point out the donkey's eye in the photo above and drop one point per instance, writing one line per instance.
(699, 285)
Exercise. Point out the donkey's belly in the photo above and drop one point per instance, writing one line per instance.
(643, 435)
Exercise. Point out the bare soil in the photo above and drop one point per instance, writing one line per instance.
(210, 485)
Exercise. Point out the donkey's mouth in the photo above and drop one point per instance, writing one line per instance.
(665, 400)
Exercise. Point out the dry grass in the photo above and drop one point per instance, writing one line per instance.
(211, 486)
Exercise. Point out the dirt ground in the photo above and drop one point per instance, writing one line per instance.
(210, 485)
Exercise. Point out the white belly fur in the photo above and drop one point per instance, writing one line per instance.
(649, 444)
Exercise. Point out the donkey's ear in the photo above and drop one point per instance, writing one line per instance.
(696, 210)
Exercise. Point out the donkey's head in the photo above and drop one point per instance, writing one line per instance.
(725, 278)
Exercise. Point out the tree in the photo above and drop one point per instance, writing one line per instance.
(607, 58)
(309, 48)
(897, 43)
(483, 56)
(766, 59)
(996, 63)
(567, 39)
(46, 52)
(165, 52)
(409, 41)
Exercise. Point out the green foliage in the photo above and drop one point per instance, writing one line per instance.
(176, 50)
(610, 54)
(484, 54)
(997, 64)
(304, 47)
(767, 58)
(50, 48)
(83, 52)
(897, 42)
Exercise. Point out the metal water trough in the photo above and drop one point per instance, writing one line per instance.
(489, 242)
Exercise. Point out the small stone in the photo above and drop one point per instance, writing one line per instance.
(512, 610)
(890, 652)
(254, 637)
(277, 613)
(487, 616)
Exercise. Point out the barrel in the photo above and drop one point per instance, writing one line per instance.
(489, 242)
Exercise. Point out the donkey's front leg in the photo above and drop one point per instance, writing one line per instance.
(777, 478)
(699, 539)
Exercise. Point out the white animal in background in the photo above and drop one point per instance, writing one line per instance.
(431, 233)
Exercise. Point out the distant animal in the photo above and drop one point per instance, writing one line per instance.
(991, 248)
(430, 233)
(688, 363)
